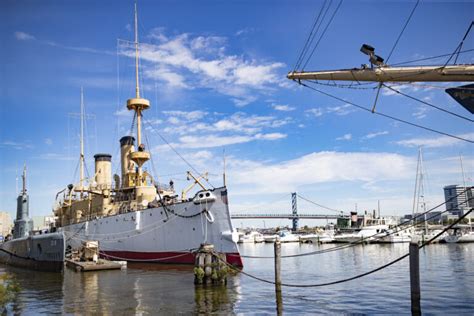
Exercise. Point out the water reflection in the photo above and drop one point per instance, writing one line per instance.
(447, 283)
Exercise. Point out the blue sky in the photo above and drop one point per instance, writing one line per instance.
(215, 73)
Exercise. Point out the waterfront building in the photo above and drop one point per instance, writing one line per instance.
(6, 224)
(455, 201)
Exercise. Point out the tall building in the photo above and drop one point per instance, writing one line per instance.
(457, 201)
(5, 224)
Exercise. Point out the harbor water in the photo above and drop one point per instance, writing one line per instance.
(447, 285)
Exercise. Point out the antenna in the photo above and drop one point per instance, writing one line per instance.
(24, 179)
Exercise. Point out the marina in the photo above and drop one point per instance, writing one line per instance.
(208, 173)
(444, 283)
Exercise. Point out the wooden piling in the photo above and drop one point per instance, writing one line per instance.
(279, 300)
(210, 267)
(415, 277)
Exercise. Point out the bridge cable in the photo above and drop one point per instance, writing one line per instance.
(385, 115)
(322, 206)
(354, 277)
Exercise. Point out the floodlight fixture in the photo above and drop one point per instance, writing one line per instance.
(367, 49)
(376, 60)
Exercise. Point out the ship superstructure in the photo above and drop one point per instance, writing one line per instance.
(134, 217)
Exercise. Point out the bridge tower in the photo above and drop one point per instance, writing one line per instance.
(294, 209)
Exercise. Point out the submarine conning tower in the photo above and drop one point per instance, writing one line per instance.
(23, 223)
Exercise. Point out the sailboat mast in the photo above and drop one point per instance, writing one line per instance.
(465, 191)
(416, 189)
(137, 86)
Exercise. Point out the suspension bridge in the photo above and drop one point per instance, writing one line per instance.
(294, 216)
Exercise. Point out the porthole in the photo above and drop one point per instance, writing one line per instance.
(208, 194)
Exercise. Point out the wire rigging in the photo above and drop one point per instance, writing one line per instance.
(311, 36)
(322, 206)
(458, 49)
(426, 103)
(433, 57)
(386, 115)
(322, 34)
(403, 30)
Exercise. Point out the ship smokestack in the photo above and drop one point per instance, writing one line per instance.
(103, 171)
(126, 147)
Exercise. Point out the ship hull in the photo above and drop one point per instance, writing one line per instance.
(168, 234)
(38, 252)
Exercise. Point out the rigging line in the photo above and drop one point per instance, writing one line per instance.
(462, 42)
(175, 151)
(351, 278)
(322, 35)
(394, 228)
(403, 30)
(429, 58)
(310, 36)
(459, 46)
(307, 200)
(347, 86)
(429, 104)
(386, 115)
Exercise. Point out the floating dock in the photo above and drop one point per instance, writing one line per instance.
(101, 264)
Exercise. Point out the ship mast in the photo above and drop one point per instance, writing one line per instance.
(81, 157)
(138, 105)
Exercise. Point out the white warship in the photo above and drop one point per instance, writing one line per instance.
(27, 249)
(134, 218)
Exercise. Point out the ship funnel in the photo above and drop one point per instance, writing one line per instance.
(103, 171)
(126, 148)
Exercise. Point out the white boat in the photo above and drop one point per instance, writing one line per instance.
(270, 238)
(365, 235)
(394, 236)
(319, 238)
(287, 236)
(135, 218)
(251, 237)
(459, 236)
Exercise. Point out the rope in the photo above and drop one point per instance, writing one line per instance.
(403, 29)
(433, 57)
(429, 104)
(311, 36)
(190, 251)
(386, 115)
(322, 35)
(351, 278)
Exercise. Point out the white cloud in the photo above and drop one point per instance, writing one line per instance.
(16, 145)
(345, 137)
(316, 112)
(376, 134)
(341, 110)
(184, 61)
(420, 112)
(323, 167)
(442, 141)
(48, 141)
(22, 36)
(284, 108)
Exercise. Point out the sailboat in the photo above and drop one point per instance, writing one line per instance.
(135, 218)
